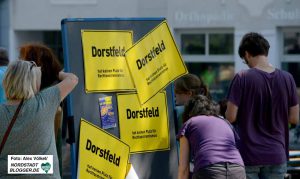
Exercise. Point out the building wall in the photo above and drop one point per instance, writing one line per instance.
(241, 15)
(47, 14)
(30, 18)
(4, 23)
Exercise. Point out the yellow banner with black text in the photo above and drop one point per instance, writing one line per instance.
(145, 128)
(154, 62)
(112, 63)
(104, 60)
(101, 155)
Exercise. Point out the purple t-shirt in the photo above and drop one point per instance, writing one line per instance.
(211, 141)
(263, 100)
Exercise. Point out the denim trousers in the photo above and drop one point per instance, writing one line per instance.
(224, 170)
(266, 171)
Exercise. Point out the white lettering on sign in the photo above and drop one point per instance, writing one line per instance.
(283, 14)
(203, 18)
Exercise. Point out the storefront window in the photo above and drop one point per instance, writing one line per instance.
(208, 53)
(220, 44)
(54, 41)
(193, 44)
(217, 77)
(294, 69)
(291, 42)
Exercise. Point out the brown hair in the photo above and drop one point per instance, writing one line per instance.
(44, 57)
(199, 105)
(255, 44)
(193, 83)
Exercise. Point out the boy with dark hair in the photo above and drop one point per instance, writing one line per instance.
(262, 101)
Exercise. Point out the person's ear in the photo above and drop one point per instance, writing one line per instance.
(189, 93)
(246, 54)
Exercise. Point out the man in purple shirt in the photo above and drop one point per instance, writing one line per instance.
(261, 102)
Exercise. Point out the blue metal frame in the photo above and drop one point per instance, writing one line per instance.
(110, 19)
(69, 99)
(67, 68)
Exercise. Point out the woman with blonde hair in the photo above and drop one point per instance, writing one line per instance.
(45, 58)
(31, 132)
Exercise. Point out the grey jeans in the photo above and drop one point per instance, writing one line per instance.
(266, 171)
(222, 170)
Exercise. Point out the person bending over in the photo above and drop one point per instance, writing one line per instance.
(211, 141)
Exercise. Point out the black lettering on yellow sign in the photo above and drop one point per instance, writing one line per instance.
(151, 55)
(108, 52)
(105, 154)
(144, 113)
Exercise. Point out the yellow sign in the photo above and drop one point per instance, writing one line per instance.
(144, 128)
(104, 60)
(101, 155)
(154, 61)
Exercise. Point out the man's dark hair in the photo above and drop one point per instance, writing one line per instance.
(255, 44)
(3, 57)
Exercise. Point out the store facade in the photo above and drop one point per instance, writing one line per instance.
(207, 32)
